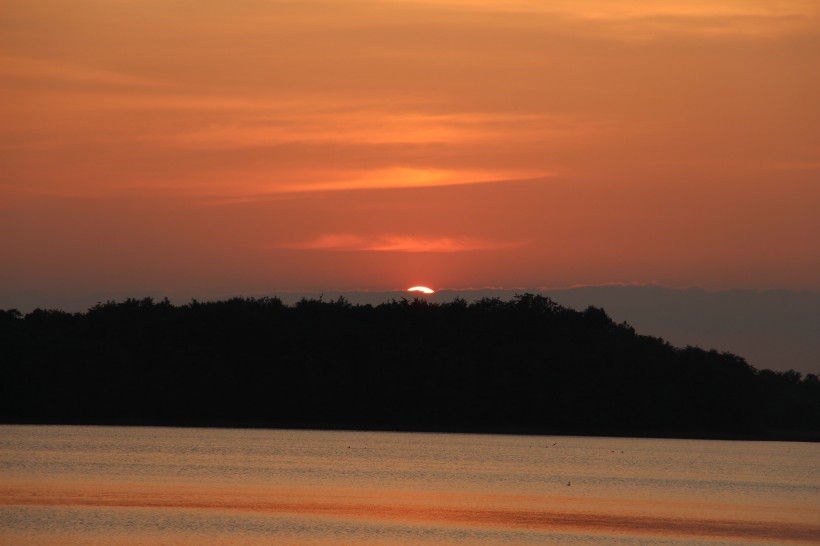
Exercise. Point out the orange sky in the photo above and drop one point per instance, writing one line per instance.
(254, 146)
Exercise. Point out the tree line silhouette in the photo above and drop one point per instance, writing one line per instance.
(523, 365)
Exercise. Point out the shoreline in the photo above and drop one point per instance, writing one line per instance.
(768, 436)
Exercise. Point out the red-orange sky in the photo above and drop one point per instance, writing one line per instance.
(252, 146)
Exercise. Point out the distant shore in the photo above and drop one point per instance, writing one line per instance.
(522, 366)
(769, 436)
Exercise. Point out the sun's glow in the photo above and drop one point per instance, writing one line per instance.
(422, 289)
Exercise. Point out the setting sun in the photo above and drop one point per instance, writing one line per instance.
(422, 289)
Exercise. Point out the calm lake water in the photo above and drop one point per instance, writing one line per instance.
(112, 485)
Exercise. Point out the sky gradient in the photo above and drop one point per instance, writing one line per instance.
(218, 148)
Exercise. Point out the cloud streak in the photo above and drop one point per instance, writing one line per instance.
(23, 68)
(341, 242)
(405, 177)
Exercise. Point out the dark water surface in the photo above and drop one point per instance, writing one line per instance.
(114, 485)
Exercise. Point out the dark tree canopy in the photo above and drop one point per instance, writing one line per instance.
(524, 365)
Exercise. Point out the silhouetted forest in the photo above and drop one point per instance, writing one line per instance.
(524, 365)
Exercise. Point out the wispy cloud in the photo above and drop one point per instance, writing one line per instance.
(639, 20)
(606, 9)
(750, 19)
(399, 243)
(276, 127)
(406, 177)
(633, 9)
(27, 68)
(266, 125)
